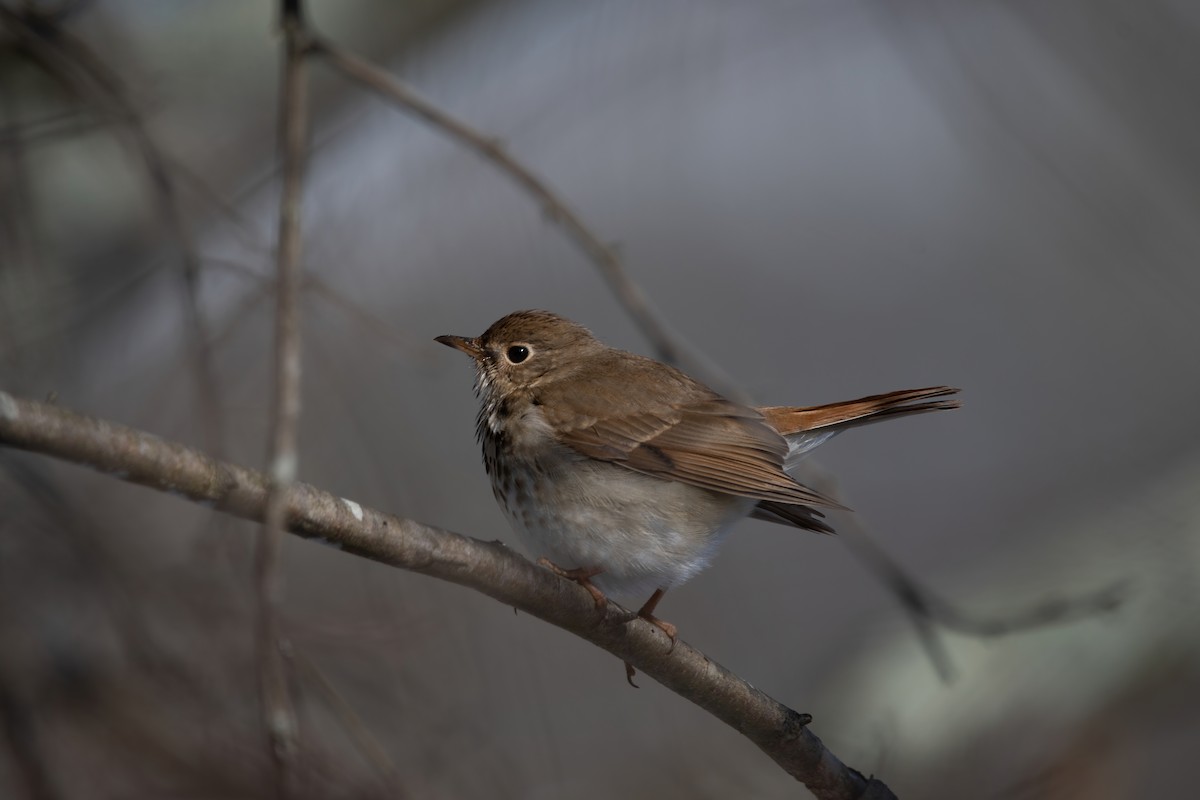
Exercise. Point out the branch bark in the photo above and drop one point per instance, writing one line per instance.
(487, 567)
(278, 712)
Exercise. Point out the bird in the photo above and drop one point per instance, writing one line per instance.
(623, 473)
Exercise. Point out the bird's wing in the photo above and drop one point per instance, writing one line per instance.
(706, 441)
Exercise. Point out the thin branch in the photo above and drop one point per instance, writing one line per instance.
(310, 285)
(243, 229)
(17, 721)
(70, 61)
(355, 728)
(927, 611)
(487, 567)
(64, 125)
(245, 310)
(666, 345)
(18, 246)
(371, 323)
(279, 715)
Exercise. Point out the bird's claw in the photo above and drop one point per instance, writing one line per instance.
(581, 576)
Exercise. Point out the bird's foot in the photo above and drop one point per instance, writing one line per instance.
(646, 612)
(670, 630)
(629, 673)
(579, 575)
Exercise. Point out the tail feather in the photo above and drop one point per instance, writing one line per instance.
(834, 417)
(806, 428)
(803, 517)
(809, 427)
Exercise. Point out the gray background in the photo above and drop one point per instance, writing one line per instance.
(827, 199)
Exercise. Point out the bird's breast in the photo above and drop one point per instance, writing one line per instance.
(583, 512)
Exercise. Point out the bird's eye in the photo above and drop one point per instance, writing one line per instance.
(517, 353)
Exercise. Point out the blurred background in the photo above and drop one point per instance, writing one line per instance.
(825, 198)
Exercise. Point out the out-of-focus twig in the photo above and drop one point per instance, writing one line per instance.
(17, 724)
(356, 729)
(65, 125)
(487, 567)
(666, 345)
(279, 715)
(310, 284)
(18, 251)
(929, 612)
(70, 61)
(371, 323)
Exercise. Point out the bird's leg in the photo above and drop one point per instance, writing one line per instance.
(581, 576)
(646, 612)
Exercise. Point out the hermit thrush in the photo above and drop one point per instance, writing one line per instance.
(618, 468)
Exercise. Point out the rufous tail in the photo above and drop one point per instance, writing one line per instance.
(852, 413)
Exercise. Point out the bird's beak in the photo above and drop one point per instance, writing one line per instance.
(469, 346)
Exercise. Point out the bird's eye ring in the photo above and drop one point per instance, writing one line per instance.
(517, 353)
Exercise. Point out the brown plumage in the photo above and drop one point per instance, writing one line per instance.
(606, 460)
(851, 413)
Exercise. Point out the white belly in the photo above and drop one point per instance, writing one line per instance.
(645, 533)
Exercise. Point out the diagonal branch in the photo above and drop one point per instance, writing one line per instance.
(666, 345)
(487, 567)
(930, 612)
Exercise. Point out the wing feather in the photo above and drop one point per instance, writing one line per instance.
(685, 432)
(794, 516)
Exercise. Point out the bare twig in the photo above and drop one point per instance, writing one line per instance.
(314, 285)
(279, 716)
(356, 729)
(70, 61)
(487, 567)
(667, 346)
(242, 312)
(19, 730)
(65, 125)
(927, 611)
(370, 322)
(18, 250)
